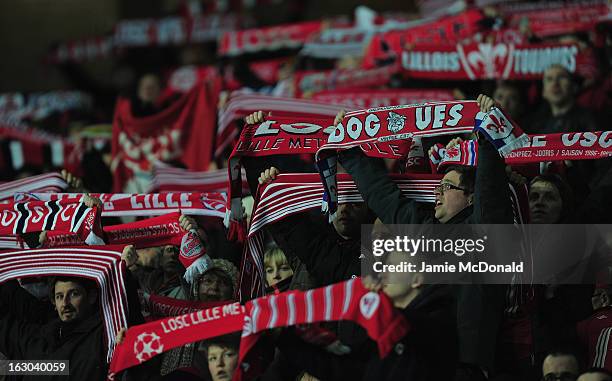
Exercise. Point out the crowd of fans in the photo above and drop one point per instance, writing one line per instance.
(457, 332)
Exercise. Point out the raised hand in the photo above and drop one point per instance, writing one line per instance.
(268, 175)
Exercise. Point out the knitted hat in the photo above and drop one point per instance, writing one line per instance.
(224, 266)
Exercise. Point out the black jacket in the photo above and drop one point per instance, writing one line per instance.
(429, 351)
(81, 343)
(479, 308)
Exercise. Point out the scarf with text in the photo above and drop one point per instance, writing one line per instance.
(485, 60)
(540, 148)
(155, 307)
(552, 18)
(348, 300)
(397, 124)
(145, 341)
(50, 182)
(36, 216)
(144, 205)
(101, 264)
(175, 133)
(288, 36)
(299, 192)
(241, 104)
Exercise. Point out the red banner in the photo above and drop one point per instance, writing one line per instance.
(182, 132)
(486, 61)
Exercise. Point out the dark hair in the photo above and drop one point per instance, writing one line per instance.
(598, 370)
(231, 340)
(467, 177)
(565, 191)
(87, 284)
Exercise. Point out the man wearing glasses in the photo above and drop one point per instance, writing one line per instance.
(464, 196)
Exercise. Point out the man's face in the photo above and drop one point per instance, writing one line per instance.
(558, 88)
(600, 299)
(71, 301)
(349, 218)
(564, 368)
(594, 376)
(545, 203)
(213, 286)
(222, 362)
(451, 201)
(277, 271)
(509, 99)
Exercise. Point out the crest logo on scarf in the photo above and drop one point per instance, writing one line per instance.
(147, 345)
(369, 304)
(396, 122)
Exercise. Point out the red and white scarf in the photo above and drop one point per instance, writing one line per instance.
(145, 341)
(149, 204)
(155, 307)
(298, 192)
(240, 105)
(169, 179)
(348, 300)
(100, 264)
(315, 81)
(50, 182)
(541, 148)
(357, 99)
(392, 127)
(36, 216)
(288, 36)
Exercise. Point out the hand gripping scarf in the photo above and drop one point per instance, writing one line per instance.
(341, 301)
(371, 127)
(348, 300)
(156, 231)
(36, 216)
(298, 192)
(51, 182)
(150, 204)
(540, 148)
(102, 264)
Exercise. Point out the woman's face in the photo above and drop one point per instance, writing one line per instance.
(277, 272)
(214, 287)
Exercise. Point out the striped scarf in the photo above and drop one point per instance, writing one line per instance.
(296, 193)
(50, 182)
(170, 179)
(348, 300)
(144, 205)
(101, 264)
(36, 216)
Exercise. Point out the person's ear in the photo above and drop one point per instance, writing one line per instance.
(417, 280)
(605, 299)
(471, 199)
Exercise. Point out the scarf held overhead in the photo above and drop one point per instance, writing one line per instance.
(101, 264)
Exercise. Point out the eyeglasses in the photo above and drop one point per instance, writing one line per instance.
(563, 376)
(445, 187)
